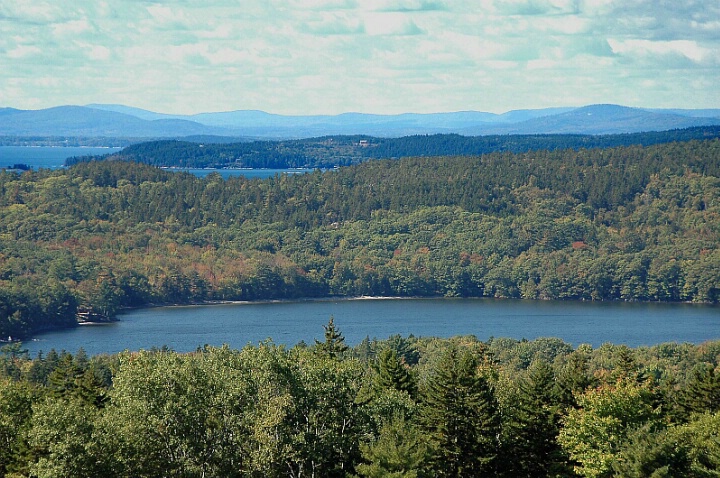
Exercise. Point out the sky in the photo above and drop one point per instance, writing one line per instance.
(301, 57)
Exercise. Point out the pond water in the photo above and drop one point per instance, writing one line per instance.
(185, 328)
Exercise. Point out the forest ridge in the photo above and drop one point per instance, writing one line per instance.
(336, 151)
(624, 223)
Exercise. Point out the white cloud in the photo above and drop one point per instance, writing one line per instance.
(32, 12)
(390, 24)
(95, 52)
(24, 51)
(72, 27)
(647, 49)
(329, 56)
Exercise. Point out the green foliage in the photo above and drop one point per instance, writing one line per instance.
(533, 425)
(690, 450)
(336, 151)
(62, 439)
(703, 438)
(394, 373)
(702, 393)
(624, 223)
(16, 400)
(398, 452)
(404, 348)
(460, 417)
(271, 412)
(334, 344)
(654, 453)
(216, 413)
(573, 378)
(596, 433)
(327, 418)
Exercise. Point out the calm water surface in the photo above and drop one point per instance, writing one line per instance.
(185, 328)
(46, 157)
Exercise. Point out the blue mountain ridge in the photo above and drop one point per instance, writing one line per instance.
(98, 120)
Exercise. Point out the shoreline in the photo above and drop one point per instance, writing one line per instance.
(281, 301)
(118, 316)
(398, 297)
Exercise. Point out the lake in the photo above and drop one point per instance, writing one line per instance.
(47, 157)
(185, 328)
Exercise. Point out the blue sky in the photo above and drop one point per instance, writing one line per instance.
(371, 56)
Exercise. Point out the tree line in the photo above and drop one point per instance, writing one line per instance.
(401, 407)
(335, 151)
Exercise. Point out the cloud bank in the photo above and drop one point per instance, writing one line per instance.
(375, 56)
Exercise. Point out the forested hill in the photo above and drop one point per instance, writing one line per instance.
(332, 151)
(627, 223)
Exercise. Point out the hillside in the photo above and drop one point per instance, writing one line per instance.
(89, 122)
(334, 151)
(628, 223)
(601, 119)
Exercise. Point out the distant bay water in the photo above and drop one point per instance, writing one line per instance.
(47, 157)
(185, 328)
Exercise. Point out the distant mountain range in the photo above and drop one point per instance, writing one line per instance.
(117, 121)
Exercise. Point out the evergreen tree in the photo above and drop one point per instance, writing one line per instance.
(573, 379)
(365, 350)
(532, 449)
(45, 366)
(702, 393)
(63, 380)
(653, 453)
(393, 373)
(460, 417)
(399, 452)
(404, 348)
(334, 344)
(626, 367)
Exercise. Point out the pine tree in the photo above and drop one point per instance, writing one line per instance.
(534, 422)
(393, 373)
(702, 393)
(573, 379)
(654, 453)
(63, 380)
(365, 350)
(399, 452)
(404, 348)
(460, 417)
(334, 344)
(626, 367)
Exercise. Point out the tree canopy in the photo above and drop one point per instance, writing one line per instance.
(273, 411)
